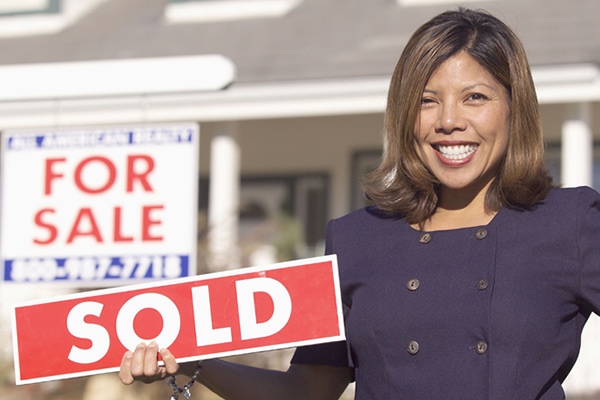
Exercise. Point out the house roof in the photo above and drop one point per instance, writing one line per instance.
(319, 39)
(324, 57)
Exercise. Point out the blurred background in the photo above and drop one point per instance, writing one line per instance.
(287, 126)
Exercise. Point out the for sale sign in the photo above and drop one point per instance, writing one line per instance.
(99, 205)
(212, 315)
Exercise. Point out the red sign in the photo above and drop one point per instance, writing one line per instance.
(212, 315)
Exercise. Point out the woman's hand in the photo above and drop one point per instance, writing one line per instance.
(236, 381)
(142, 364)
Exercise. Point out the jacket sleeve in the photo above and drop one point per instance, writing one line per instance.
(588, 242)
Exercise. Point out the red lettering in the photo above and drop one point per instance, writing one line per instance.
(112, 174)
(117, 235)
(139, 168)
(85, 225)
(52, 231)
(50, 174)
(83, 215)
(141, 176)
(148, 222)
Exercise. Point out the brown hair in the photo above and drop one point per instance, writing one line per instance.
(402, 185)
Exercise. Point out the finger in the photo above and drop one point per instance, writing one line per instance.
(151, 359)
(171, 365)
(125, 370)
(137, 360)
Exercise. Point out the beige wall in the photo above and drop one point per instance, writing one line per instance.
(303, 145)
(553, 116)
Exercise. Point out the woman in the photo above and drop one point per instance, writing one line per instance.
(473, 277)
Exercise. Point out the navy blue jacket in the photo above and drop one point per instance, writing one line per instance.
(492, 312)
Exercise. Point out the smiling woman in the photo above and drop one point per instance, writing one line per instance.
(470, 277)
(489, 77)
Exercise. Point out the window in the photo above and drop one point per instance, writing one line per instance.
(281, 217)
(363, 162)
(429, 2)
(23, 7)
(41, 17)
(554, 163)
(193, 11)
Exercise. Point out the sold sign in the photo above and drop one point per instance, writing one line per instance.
(213, 315)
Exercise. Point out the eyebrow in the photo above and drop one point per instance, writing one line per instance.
(473, 86)
(465, 89)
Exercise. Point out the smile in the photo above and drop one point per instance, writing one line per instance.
(456, 153)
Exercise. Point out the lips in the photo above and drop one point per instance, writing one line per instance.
(455, 154)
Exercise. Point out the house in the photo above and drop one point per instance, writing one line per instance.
(301, 115)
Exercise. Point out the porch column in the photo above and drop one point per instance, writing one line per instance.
(223, 200)
(577, 146)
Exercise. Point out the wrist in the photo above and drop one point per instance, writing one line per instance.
(189, 369)
(185, 389)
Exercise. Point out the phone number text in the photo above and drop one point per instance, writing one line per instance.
(91, 269)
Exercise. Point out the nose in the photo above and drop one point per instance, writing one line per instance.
(450, 119)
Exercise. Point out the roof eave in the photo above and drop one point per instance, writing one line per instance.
(571, 83)
(554, 84)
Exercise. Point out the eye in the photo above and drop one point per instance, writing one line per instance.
(477, 97)
(426, 100)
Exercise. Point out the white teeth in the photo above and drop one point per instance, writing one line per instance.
(456, 152)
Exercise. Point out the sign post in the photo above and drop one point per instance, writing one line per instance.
(99, 206)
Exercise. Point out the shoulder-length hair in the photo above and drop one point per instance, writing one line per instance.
(402, 185)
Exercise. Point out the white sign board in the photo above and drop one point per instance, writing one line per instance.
(99, 205)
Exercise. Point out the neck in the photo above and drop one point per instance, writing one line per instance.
(445, 219)
(460, 209)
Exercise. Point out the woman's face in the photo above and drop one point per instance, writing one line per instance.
(463, 125)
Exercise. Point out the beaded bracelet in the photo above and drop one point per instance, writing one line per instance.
(185, 389)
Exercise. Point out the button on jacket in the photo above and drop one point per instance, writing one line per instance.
(492, 312)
